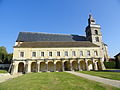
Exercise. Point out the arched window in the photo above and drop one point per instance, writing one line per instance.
(97, 39)
(96, 32)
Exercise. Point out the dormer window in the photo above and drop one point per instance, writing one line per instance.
(96, 32)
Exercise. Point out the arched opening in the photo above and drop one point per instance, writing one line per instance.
(33, 67)
(42, 66)
(75, 65)
(50, 66)
(90, 65)
(67, 66)
(21, 67)
(59, 66)
(97, 39)
(83, 65)
(96, 32)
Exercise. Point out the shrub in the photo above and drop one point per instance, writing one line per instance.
(110, 65)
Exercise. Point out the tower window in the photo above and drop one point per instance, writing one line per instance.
(97, 39)
(96, 32)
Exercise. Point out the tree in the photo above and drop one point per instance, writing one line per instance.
(4, 56)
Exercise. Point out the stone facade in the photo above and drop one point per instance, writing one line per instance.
(42, 53)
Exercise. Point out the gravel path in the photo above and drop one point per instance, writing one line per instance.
(7, 76)
(114, 83)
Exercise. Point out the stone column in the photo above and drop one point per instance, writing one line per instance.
(13, 68)
(25, 67)
(63, 66)
(28, 67)
(95, 67)
(102, 65)
(71, 67)
(86, 62)
(46, 66)
(79, 68)
(38, 66)
(54, 67)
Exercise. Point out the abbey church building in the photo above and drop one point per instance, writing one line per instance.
(42, 52)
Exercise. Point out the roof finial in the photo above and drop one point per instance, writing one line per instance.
(90, 14)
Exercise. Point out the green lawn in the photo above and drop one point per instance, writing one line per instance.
(109, 75)
(53, 81)
(3, 71)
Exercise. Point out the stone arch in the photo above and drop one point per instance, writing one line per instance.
(90, 65)
(83, 65)
(33, 67)
(50, 66)
(67, 65)
(42, 66)
(96, 32)
(59, 66)
(21, 67)
(75, 65)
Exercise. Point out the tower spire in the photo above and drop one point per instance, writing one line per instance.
(91, 20)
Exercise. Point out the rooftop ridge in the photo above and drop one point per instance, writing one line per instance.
(52, 33)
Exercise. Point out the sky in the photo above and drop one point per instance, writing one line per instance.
(59, 16)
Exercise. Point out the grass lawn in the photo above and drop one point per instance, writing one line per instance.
(53, 81)
(109, 75)
(3, 71)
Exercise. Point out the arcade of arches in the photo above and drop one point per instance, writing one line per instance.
(58, 65)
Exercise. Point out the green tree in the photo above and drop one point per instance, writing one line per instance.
(4, 56)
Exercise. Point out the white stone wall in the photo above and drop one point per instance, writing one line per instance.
(28, 53)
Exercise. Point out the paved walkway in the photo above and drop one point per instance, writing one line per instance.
(114, 83)
(7, 76)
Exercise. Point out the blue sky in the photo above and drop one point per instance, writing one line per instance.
(59, 16)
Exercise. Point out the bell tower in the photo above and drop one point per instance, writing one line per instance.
(93, 32)
(94, 35)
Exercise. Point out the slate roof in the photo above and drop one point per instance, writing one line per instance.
(55, 44)
(38, 37)
(117, 55)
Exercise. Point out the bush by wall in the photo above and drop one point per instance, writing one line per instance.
(110, 65)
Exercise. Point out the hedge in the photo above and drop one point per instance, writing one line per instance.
(110, 65)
